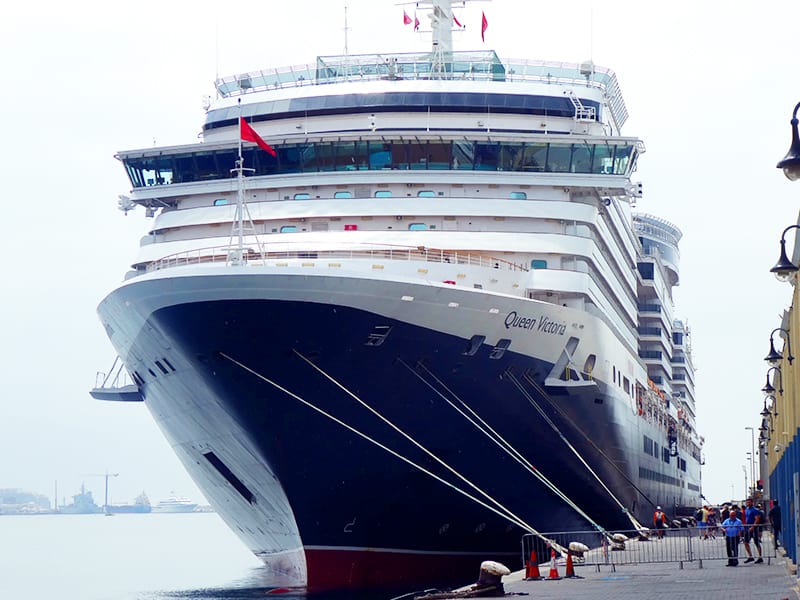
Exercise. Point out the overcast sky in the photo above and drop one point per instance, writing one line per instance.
(710, 87)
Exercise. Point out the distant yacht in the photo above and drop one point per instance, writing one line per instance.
(175, 504)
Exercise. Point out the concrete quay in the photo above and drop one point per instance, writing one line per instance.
(714, 581)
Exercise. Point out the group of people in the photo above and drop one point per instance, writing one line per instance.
(739, 524)
(749, 530)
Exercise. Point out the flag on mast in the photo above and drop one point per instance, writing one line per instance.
(406, 18)
(455, 20)
(484, 26)
(249, 134)
(416, 22)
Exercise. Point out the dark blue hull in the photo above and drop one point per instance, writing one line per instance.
(348, 494)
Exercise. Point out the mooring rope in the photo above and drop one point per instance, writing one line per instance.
(498, 439)
(638, 526)
(577, 428)
(510, 515)
(505, 515)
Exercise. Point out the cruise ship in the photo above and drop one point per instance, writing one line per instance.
(418, 318)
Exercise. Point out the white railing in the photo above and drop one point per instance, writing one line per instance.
(225, 254)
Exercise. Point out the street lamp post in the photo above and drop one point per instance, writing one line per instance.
(745, 480)
(752, 457)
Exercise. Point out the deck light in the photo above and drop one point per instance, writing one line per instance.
(791, 162)
(774, 357)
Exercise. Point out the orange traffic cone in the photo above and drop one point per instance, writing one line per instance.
(570, 567)
(532, 568)
(553, 570)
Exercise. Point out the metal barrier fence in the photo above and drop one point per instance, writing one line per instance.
(678, 545)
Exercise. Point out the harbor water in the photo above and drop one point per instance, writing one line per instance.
(129, 557)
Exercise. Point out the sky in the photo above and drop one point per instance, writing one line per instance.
(710, 87)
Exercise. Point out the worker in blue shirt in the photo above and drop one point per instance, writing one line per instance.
(734, 529)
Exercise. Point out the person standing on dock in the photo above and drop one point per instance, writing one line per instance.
(733, 531)
(753, 520)
(659, 522)
(775, 521)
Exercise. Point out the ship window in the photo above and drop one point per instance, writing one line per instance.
(582, 158)
(161, 367)
(343, 194)
(518, 196)
(289, 229)
(169, 364)
(426, 194)
(622, 157)
(538, 264)
(558, 158)
(383, 194)
(220, 202)
(302, 196)
(417, 227)
(535, 157)
(603, 159)
(486, 157)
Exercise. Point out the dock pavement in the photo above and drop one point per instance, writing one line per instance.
(774, 580)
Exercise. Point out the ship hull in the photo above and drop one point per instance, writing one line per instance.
(334, 427)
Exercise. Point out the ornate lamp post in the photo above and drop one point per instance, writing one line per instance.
(774, 357)
(791, 162)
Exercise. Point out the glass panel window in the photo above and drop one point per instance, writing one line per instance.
(538, 264)
(622, 157)
(603, 159)
(582, 158)
(510, 157)
(302, 196)
(486, 157)
(220, 202)
(535, 157)
(518, 196)
(417, 227)
(343, 194)
(558, 158)
(383, 194)
(463, 155)
(426, 194)
(289, 229)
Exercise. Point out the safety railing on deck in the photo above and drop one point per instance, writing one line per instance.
(676, 545)
(224, 254)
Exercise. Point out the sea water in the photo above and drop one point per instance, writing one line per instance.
(129, 557)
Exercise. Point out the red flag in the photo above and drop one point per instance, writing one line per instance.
(484, 26)
(416, 23)
(249, 134)
(455, 20)
(406, 18)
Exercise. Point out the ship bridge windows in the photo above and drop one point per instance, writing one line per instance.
(598, 158)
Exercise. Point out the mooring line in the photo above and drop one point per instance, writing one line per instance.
(503, 443)
(509, 515)
(408, 461)
(599, 450)
(572, 448)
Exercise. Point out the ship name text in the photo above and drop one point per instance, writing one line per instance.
(542, 324)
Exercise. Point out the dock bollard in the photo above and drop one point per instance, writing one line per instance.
(553, 570)
(491, 577)
(532, 568)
